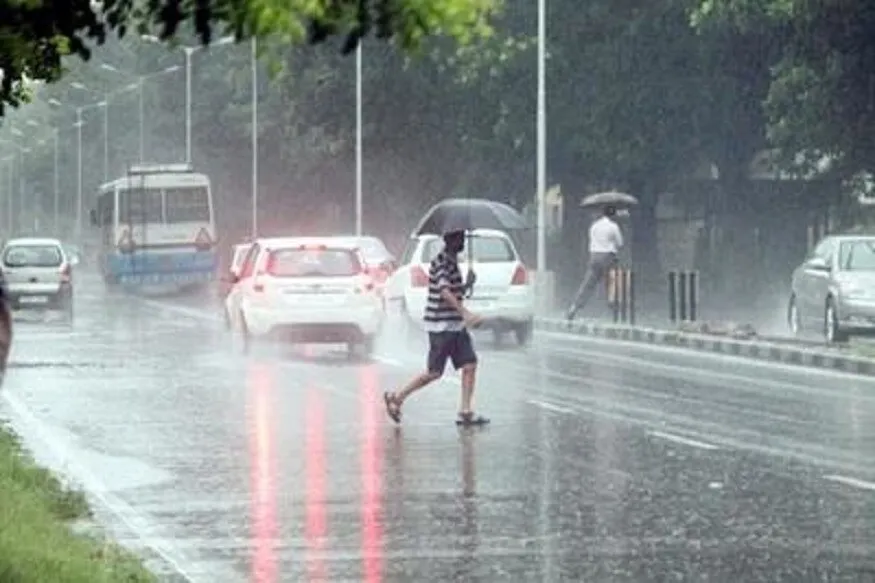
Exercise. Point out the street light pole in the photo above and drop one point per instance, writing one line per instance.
(358, 139)
(254, 65)
(541, 141)
(142, 107)
(106, 138)
(57, 187)
(9, 204)
(78, 228)
(188, 53)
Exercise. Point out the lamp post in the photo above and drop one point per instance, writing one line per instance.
(358, 139)
(541, 142)
(189, 52)
(139, 85)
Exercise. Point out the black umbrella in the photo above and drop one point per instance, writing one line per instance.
(619, 199)
(467, 214)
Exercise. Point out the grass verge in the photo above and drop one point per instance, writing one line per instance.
(37, 544)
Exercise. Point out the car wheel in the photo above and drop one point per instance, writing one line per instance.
(794, 319)
(523, 333)
(832, 330)
(497, 335)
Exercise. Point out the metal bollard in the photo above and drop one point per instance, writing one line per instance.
(621, 294)
(683, 296)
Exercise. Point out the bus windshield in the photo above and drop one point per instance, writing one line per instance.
(164, 205)
(140, 205)
(187, 204)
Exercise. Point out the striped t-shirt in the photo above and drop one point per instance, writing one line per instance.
(443, 273)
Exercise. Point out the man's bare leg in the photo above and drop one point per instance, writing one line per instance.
(420, 381)
(469, 378)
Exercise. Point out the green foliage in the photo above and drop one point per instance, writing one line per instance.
(36, 542)
(821, 99)
(36, 35)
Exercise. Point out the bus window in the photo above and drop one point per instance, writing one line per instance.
(189, 204)
(140, 205)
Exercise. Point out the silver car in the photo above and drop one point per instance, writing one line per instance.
(38, 275)
(833, 291)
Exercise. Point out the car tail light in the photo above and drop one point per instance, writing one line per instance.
(520, 276)
(418, 277)
(203, 241)
(66, 273)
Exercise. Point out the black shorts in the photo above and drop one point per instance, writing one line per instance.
(455, 346)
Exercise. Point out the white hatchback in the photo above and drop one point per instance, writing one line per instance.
(502, 295)
(305, 290)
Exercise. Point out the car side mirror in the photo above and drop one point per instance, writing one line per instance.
(818, 264)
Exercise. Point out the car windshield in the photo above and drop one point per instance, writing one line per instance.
(313, 263)
(187, 204)
(373, 250)
(33, 256)
(483, 249)
(857, 255)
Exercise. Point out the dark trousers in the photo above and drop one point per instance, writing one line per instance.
(599, 266)
(455, 346)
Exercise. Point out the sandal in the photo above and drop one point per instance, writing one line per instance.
(393, 407)
(469, 419)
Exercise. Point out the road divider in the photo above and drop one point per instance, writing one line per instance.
(750, 347)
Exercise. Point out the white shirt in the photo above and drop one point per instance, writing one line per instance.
(605, 236)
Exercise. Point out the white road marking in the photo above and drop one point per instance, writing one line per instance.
(682, 440)
(133, 520)
(853, 482)
(551, 407)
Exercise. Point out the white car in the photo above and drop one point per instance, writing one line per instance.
(380, 262)
(502, 294)
(38, 275)
(305, 290)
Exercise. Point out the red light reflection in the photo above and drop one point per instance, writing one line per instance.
(371, 472)
(316, 522)
(263, 474)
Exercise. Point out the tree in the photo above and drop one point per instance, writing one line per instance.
(821, 99)
(36, 35)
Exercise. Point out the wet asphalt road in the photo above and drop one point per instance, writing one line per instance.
(604, 462)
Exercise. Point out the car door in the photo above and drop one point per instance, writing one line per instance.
(244, 278)
(814, 282)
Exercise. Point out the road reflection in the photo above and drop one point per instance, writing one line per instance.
(316, 528)
(371, 476)
(261, 379)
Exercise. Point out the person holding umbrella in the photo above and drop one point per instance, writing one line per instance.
(605, 242)
(446, 318)
(447, 321)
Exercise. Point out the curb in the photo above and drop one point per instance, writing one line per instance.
(754, 349)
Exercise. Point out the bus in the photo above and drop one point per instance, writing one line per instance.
(157, 226)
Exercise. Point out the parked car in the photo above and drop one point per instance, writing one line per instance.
(305, 290)
(833, 290)
(38, 275)
(502, 295)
